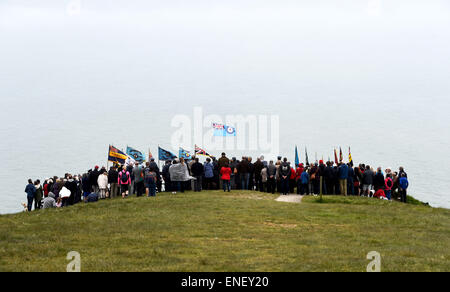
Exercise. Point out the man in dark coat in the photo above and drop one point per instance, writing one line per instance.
(258, 166)
(166, 176)
(198, 171)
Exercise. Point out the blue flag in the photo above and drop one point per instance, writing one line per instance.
(138, 156)
(221, 130)
(297, 160)
(165, 155)
(185, 154)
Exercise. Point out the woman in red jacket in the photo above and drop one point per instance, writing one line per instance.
(225, 172)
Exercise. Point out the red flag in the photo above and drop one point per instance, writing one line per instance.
(335, 157)
(341, 157)
(150, 156)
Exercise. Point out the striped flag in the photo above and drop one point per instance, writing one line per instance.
(350, 158)
(115, 155)
(200, 151)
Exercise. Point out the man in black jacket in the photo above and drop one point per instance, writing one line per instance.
(367, 180)
(285, 174)
(329, 180)
(243, 170)
(198, 171)
(258, 166)
(378, 181)
(113, 178)
(166, 176)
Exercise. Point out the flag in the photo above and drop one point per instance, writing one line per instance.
(185, 154)
(221, 130)
(335, 156)
(306, 156)
(200, 151)
(165, 155)
(341, 157)
(350, 158)
(297, 160)
(130, 161)
(137, 156)
(115, 155)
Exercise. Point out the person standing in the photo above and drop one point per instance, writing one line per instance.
(93, 178)
(351, 180)
(155, 168)
(124, 181)
(285, 173)
(378, 181)
(258, 167)
(343, 177)
(328, 178)
(264, 179)
(367, 181)
(292, 180)
(178, 175)
(271, 177)
(304, 180)
(150, 181)
(244, 174)
(251, 174)
(166, 176)
(222, 162)
(198, 171)
(102, 183)
(209, 173)
(388, 185)
(30, 189)
(403, 186)
(138, 174)
(38, 196)
(233, 166)
(112, 180)
(225, 172)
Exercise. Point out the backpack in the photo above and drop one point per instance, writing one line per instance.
(124, 177)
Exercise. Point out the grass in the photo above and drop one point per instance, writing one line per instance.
(239, 231)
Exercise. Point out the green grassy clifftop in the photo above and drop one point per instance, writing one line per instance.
(237, 231)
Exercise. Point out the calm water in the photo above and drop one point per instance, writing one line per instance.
(72, 85)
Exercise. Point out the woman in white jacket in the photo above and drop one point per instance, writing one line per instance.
(103, 185)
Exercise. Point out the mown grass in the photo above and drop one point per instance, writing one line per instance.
(239, 231)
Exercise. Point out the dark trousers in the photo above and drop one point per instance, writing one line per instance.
(179, 186)
(245, 177)
(271, 185)
(37, 204)
(140, 188)
(291, 185)
(30, 203)
(403, 195)
(226, 185)
(304, 189)
(350, 187)
(198, 183)
(152, 189)
(167, 185)
(330, 187)
(285, 186)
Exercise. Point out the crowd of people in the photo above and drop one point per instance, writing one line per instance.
(179, 175)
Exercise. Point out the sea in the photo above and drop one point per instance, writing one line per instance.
(76, 77)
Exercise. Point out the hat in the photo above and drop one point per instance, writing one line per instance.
(96, 167)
